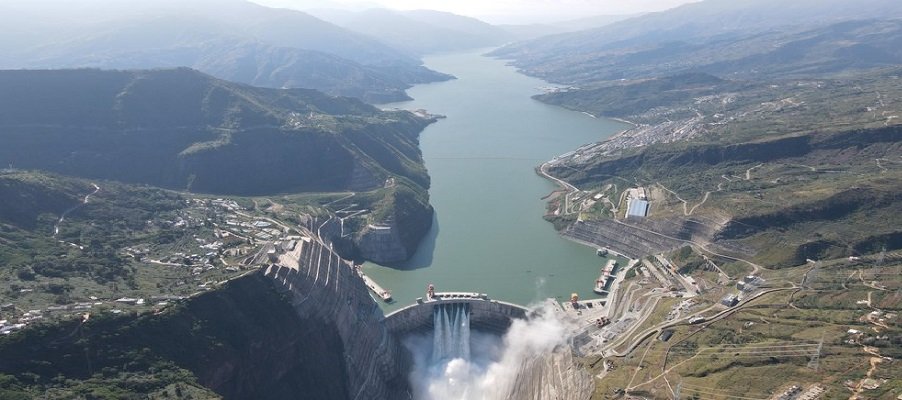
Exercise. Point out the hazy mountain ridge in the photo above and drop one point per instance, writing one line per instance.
(218, 38)
(705, 36)
(420, 31)
(427, 31)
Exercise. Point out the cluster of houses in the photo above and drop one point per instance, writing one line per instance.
(238, 238)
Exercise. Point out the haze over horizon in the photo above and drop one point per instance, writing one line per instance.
(498, 11)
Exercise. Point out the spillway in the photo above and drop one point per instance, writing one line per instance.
(483, 314)
(451, 332)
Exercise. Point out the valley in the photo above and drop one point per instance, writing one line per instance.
(210, 199)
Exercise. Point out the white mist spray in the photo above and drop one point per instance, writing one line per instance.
(491, 367)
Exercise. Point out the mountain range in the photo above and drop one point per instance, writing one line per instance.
(231, 39)
(419, 31)
(745, 39)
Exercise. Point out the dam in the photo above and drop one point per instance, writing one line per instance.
(485, 314)
(377, 362)
(488, 241)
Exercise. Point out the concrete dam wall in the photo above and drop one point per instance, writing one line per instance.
(325, 291)
(485, 314)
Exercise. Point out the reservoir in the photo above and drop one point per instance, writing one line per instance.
(488, 235)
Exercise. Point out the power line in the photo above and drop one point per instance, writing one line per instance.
(720, 393)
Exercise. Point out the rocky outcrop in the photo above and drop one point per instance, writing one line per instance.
(382, 244)
(399, 222)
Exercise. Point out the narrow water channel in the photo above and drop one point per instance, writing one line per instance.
(489, 235)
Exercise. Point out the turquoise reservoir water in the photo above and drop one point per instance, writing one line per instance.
(488, 235)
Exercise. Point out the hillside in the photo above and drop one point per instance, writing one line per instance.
(743, 166)
(118, 291)
(748, 130)
(183, 130)
(828, 50)
(233, 40)
(766, 141)
(248, 338)
(65, 239)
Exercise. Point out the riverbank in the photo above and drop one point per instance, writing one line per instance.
(488, 235)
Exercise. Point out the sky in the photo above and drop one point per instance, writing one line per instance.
(498, 11)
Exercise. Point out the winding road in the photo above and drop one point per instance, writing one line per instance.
(56, 228)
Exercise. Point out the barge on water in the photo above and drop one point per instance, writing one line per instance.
(384, 294)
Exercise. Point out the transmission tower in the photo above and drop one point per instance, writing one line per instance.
(881, 258)
(811, 274)
(816, 358)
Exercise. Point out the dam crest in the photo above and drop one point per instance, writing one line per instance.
(485, 314)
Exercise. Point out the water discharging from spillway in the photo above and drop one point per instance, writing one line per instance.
(451, 336)
(455, 363)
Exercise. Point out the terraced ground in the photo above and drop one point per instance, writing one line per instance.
(831, 327)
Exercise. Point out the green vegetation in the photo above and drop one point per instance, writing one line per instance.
(780, 201)
(827, 333)
(105, 249)
(181, 129)
(241, 341)
(778, 171)
(689, 261)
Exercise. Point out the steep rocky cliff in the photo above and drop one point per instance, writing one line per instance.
(323, 287)
(404, 218)
(382, 244)
(401, 216)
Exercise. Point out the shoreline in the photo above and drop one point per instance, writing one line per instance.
(434, 267)
(625, 121)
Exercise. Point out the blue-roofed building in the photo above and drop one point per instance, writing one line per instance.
(637, 208)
